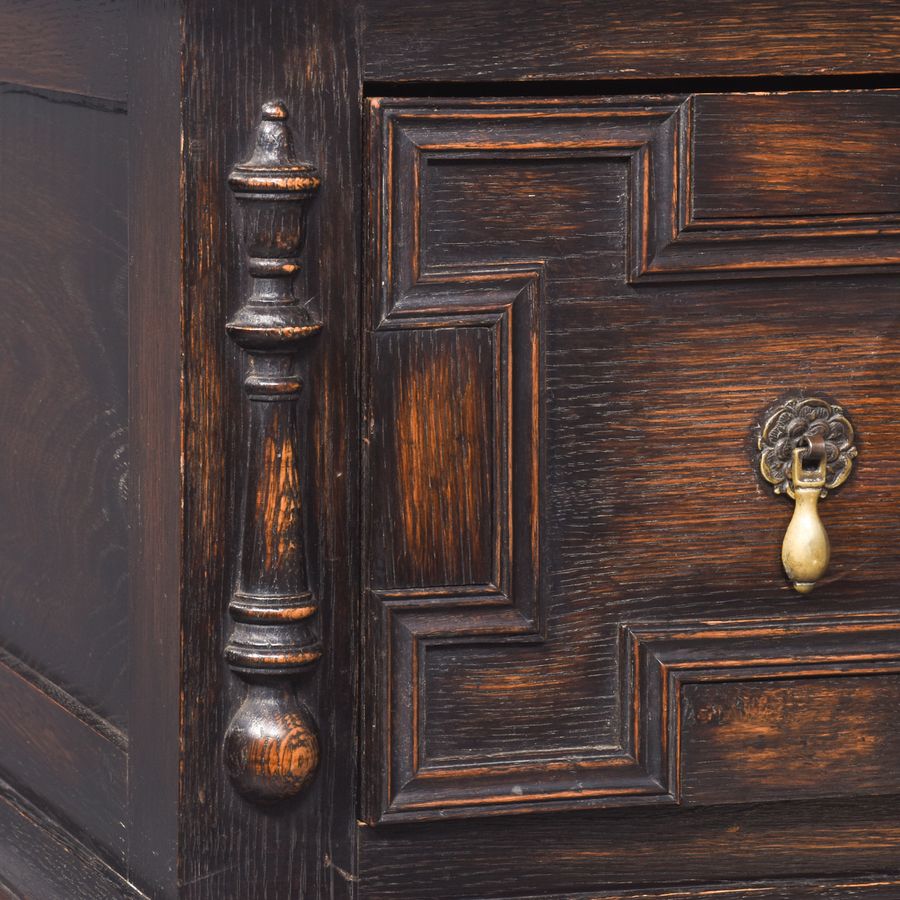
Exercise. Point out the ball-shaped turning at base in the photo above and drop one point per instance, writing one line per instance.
(271, 749)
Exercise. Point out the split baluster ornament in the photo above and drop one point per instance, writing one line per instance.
(271, 749)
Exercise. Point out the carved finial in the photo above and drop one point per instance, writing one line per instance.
(271, 749)
(273, 167)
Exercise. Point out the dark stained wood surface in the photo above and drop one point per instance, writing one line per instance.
(651, 394)
(782, 740)
(42, 860)
(155, 548)
(306, 56)
(74, 46)
(64, 370)
(71, 758)
(441, 402)
(567, 855)
(874, 888)
(271, 749)
(651, 510)
(555, 584)
(539, 40)
(796, 154)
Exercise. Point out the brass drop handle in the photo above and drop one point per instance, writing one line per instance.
(807, 430)
(805, 551)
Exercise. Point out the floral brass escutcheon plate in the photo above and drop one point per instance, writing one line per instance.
(792, 424)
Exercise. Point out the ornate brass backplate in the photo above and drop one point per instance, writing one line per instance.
(794, 424)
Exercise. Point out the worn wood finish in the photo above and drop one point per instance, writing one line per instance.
(503, 235)
(877, 888)
(306, 56)
(796, 155)
(544, 40)
(565, 855)
(63, 554)
(271, 748)
(450, 541)
(787, 739)
(64, 486)
(74, 46)
(42, 859)
(757, 663)
(519, 481)
(65, 706)
(71, 758)
(882, 887)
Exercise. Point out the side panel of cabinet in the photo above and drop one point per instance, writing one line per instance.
(64, 486)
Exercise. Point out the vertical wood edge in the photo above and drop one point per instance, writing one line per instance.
(156, 295)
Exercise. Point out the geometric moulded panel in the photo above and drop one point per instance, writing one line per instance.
(489, 689)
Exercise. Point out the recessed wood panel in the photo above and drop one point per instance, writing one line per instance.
(74, 46)
(63, 395)
(501, 212)
(796, 155)
(789, 739)
(42, 859)
(767, 710)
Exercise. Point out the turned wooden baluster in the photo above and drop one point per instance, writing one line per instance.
(271, 749)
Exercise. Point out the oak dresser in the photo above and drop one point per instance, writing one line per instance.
(450, 449)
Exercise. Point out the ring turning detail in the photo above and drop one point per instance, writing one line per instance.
(271, 747)
(806, 449)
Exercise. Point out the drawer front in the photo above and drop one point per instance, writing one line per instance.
(580, 310)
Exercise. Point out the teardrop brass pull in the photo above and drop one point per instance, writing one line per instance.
(805, 551)
(811, 430)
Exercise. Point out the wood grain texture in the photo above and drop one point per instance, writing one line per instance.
(73, 46)
(72, 761)
(796, 155)
(760, 667)
(586, 854)
(879, 887)
(586, 307)
(480, 699)
(236, 57)
(64, 374)
(771, 740)
(40, 859)
(674, 241)
(437, 428)
(271, 749)
(484, 40)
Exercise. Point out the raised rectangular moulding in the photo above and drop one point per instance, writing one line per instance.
(531, 621)
(789, 738)
(803, 156)
(762, 711)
